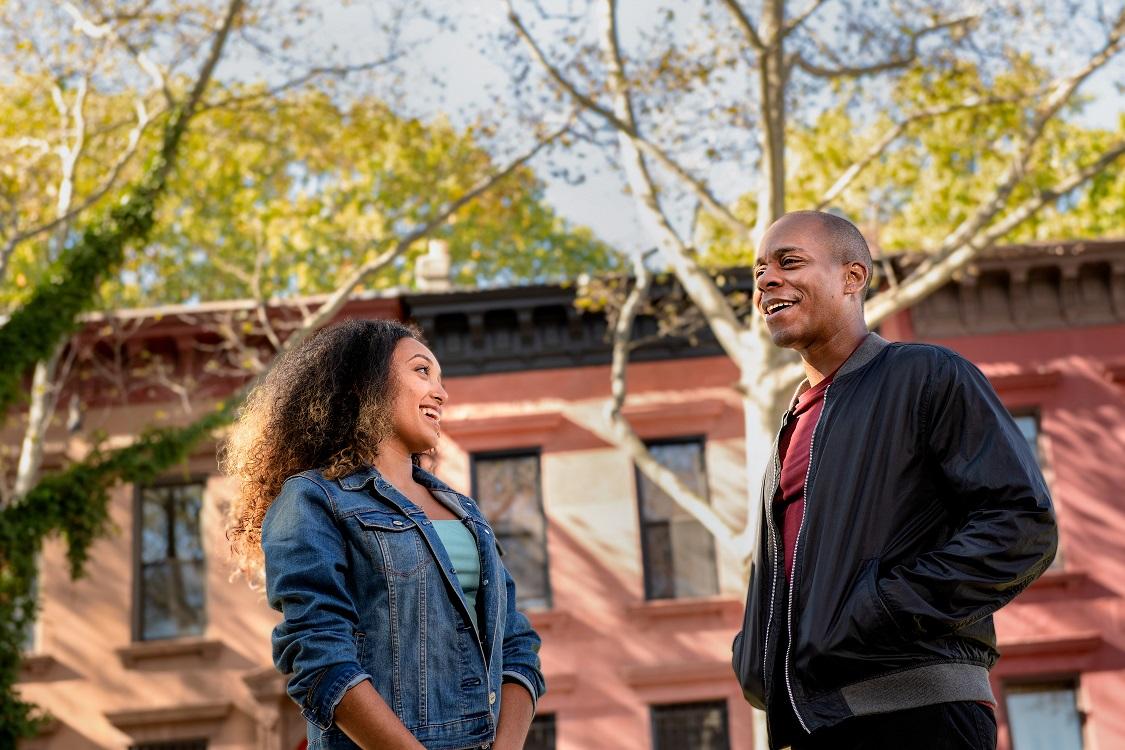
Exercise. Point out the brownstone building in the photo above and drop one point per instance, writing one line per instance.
(158, 649)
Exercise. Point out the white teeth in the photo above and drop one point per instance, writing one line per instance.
(775, 306)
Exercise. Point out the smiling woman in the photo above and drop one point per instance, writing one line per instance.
(399, 627)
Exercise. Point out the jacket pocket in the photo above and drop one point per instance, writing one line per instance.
(396, 543)
(864, 622)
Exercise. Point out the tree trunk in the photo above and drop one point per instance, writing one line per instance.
(771, 111)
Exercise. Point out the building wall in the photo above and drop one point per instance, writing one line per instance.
(1069, 623)
(608, 654)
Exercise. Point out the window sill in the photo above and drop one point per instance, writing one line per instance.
(203, 719)
(549, 620)
(146, 652)
(35, 667)
(669, 675)
(1080, 643)
(718, 608)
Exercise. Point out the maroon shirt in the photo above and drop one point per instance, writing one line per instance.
(793, 449)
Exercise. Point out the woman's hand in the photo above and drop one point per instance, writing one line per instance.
(370, 723)
(516, 712)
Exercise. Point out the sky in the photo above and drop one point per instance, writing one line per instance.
(448, 71)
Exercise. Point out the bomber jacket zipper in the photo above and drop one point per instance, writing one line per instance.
(771, 550)
(793, 575)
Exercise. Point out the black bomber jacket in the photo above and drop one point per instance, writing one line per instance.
(925, 512)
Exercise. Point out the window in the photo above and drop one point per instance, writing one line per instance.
(507, 488)
(170, 592)
(1044, 716)
(1028, 422)
(679, 553)
(172, 745)
(541, 736)
(700, 726)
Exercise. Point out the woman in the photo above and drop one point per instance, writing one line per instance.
(400, 628)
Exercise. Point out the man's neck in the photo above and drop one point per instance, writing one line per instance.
(822, 360)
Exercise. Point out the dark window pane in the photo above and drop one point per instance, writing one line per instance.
(171, 569)
(508, 490)
(1044, 716)
(679, 553)
(699, 726)
(541, 736)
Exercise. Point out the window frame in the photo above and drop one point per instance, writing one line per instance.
(506, 453)
(138, 562)
(638, 483)
(654, 707)
(1071, 679)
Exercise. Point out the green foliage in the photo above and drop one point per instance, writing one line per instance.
(72, 503)
(942, 170)
(290, 195)
(37, 326)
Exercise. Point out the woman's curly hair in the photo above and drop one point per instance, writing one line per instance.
(323, 406)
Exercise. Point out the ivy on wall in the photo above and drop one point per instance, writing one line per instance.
(73, 503)
(35, 328)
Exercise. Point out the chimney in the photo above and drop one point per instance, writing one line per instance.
(431, 271)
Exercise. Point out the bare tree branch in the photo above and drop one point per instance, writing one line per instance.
(895, 132)
(628, 439)
(1061, 91)
(896, 62)
(293, 83)
(336, 300)
(747, 25)
(696, 185)
(794, 23)
(697, 283)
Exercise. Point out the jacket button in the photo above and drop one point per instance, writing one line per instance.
(491, 698)
(397, 523)
(484, 582)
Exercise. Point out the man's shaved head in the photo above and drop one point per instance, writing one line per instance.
(841, 235)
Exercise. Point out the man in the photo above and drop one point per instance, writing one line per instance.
(902, 507)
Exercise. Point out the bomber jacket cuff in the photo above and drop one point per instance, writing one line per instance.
(320, 705)
(511, 675)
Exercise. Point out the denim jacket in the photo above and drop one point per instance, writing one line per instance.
(368, 593)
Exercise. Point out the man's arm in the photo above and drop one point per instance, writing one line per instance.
(1008, 537)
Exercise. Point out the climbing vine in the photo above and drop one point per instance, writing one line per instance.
(73, 503)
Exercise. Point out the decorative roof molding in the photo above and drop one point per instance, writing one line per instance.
(1027, 288)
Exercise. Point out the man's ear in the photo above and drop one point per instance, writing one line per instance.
(856, 277)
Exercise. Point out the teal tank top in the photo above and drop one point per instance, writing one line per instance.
(461, 547)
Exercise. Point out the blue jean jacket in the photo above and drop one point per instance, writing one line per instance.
(368, 593)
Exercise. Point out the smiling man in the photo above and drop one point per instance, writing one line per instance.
(902, 507)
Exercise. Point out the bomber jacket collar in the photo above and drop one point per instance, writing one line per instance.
(868, 349)
(370, 475)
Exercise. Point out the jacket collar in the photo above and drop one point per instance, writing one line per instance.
(868, 349)
(369, 475)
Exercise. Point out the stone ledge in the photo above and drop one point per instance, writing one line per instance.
(132, 720)
(141, 652)
(1078, 643)
(717, 608)
(34, 667)
(664, 675)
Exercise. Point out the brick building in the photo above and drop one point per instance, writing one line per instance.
(157, 649)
